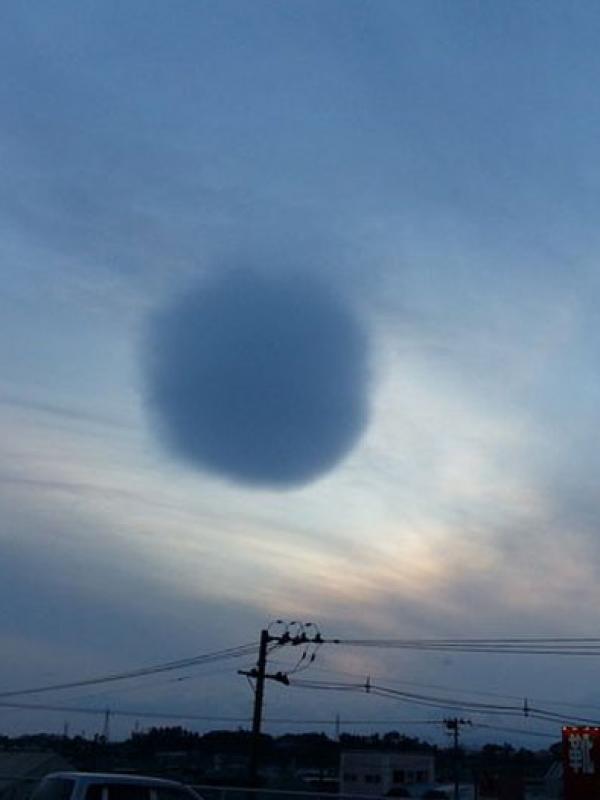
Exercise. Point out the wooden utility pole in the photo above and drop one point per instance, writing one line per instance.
(454, 725)
(259, 692)
(260, 675)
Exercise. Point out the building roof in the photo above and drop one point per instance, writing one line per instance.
(407, 757)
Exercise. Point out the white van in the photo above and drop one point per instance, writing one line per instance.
(100, 786)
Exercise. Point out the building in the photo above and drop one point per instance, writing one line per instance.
(369, 772)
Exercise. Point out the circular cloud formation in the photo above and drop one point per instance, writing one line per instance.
(260, 380)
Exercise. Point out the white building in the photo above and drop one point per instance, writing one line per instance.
(369, 772)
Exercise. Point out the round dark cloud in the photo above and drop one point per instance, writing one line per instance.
(261, 380)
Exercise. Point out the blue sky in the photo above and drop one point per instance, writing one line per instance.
(430, 172)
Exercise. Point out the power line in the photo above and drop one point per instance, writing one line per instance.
(539, 645)
(433, 701)
(520, 731)
(138, 713)
(421, 685)
(206, 658)
(523, 645)
(174, 715)
(587, 646)
(108, 695)
(295, 634)
(121, 713)
(515, 640)
(478, 692)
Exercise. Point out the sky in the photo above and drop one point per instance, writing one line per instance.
(299, 321)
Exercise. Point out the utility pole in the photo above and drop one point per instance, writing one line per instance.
(259, 693)
(260, 674)
(454, 725)
(106, 728)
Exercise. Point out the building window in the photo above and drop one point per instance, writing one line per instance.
(350, 777)
(398, 776)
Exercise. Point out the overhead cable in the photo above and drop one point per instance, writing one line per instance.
(206, 658)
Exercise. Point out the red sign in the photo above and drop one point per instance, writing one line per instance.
(581, 763)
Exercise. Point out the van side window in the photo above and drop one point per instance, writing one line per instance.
(170, 793)
(94, 792)
(117, 791)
